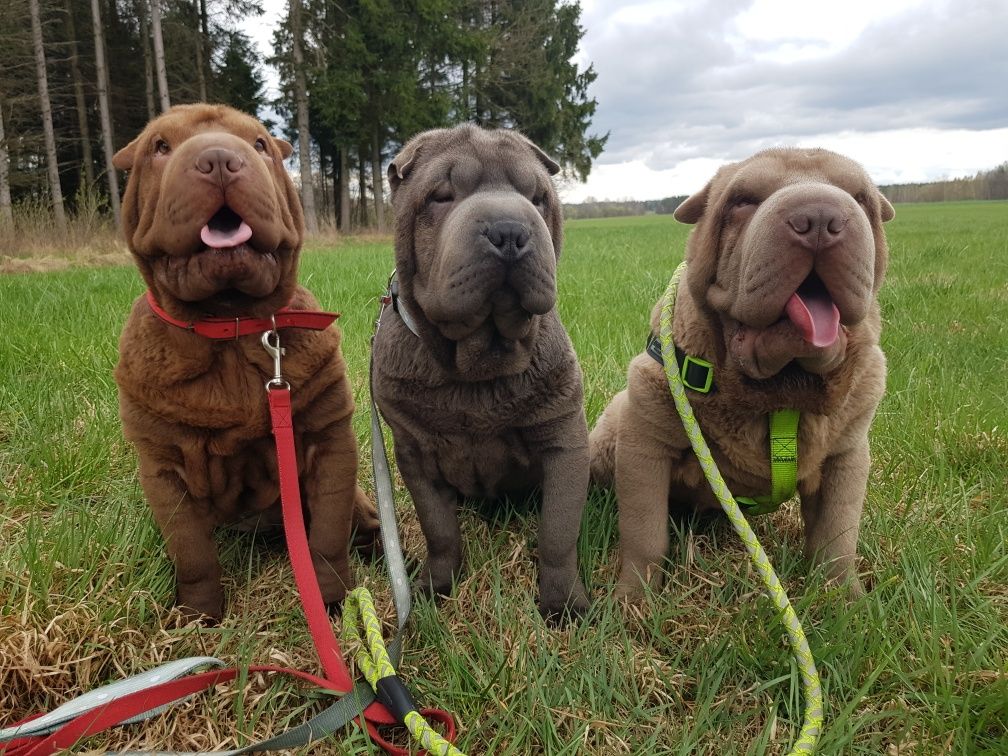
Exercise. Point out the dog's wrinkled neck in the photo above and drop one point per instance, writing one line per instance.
(482, 354)
(701, 331)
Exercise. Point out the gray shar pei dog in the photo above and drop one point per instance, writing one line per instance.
(473, 370)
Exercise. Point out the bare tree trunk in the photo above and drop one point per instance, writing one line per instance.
(376, 181)
(344, 190)
(47, 125)
(141, 8)
(323, 208)
(204, 33)
(304, 133)
(6, 211)
(159, 59)
(362, 184)
(103, 107)
(200, 55)
(78, 84)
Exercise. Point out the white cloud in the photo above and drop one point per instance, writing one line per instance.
(913, 89)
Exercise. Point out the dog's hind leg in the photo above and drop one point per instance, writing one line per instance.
(602, 442)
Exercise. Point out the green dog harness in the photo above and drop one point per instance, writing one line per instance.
(698, 374)
(783, 464)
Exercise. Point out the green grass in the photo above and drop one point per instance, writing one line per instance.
(920, 665)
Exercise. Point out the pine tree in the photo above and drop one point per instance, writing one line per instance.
(237, 79)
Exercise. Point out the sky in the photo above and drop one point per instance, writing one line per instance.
(915, 90)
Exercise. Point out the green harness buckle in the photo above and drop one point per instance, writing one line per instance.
(696, 374)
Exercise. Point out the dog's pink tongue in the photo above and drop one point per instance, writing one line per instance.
(219, 239)
(815, 316)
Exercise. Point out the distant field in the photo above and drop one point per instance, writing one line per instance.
(920, 665)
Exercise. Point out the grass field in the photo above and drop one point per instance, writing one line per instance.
(918, 666)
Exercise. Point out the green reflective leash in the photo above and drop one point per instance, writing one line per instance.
(808, 737)
(374, 663)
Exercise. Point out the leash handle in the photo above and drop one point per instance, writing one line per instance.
(808, 737)
(374, 663)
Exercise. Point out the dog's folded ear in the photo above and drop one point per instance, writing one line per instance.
(692, 209)
(551, 165)
(124, 159)
(403, 163)
(888, 211)
(285, 147)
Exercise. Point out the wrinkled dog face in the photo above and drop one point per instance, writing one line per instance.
(789, 254)
(210, 214)
(478, 231)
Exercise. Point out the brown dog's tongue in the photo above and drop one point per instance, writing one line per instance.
(814, 315)
(217, 238)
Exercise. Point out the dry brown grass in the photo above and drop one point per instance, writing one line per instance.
(33, 244)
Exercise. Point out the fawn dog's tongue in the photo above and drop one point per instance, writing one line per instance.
(225, 229)
(812, 311)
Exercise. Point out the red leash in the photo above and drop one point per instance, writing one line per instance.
(337, 676)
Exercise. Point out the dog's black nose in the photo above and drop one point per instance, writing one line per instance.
(817, 225)
(221, 162)
(509, 238)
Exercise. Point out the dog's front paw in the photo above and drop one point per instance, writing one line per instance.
(631, 583)
(849, 582)
(629, 592)
(437, 578)
(206, 606)
(334, 580)
(561, 601)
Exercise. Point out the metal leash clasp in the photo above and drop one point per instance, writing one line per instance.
(271, 343)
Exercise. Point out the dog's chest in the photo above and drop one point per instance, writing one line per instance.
(483, 439)
(741, 448)
(488, 466)
(209, 422)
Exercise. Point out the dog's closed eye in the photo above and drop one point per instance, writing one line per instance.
(443, 194)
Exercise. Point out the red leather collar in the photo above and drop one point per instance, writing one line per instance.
(232, 328)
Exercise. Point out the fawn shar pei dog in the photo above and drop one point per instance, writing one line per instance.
(473, 370)
(215, 227)
(783, 270)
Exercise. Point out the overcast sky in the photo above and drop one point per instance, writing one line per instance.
(913, 89)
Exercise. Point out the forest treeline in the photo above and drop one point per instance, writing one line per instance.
(80, 78)
(985, 185)
(594, 208)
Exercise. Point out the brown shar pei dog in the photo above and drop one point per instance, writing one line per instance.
(780, 294)
(473, 370)
(215, 227)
